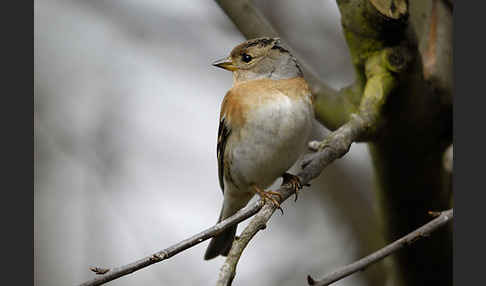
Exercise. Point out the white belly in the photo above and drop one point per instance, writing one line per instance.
(274, 137)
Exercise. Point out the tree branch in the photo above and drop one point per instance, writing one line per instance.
(115, 273)
(424, 231)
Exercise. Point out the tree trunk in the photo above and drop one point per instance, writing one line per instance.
(417, 125)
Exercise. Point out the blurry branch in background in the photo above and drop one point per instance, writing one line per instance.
(424, 231)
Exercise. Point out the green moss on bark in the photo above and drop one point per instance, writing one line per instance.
(409, 131)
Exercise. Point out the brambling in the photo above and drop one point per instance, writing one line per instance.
(265, 121)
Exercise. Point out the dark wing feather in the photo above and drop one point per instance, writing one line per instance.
(223, 133)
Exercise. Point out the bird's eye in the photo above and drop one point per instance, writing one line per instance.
(246, 58)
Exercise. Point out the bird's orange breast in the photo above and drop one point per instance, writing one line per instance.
(243, 97)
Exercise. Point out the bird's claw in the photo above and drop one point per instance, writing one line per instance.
(294, 182)
(267, 195)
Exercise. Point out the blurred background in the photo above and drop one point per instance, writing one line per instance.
(126, 111)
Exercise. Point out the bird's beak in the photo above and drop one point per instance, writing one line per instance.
(225, 63)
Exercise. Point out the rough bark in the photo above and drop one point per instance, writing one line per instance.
(417, 126)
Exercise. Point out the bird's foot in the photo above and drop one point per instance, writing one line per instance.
(294, 182)
(267, 195)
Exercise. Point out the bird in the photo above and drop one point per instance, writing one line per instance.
(265, 122)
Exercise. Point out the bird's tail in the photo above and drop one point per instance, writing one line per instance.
(221, 244)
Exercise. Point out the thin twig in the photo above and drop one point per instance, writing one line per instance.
(335, 146)
(423, 231)
(112, 274)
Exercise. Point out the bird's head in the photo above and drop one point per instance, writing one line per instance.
(260, 58)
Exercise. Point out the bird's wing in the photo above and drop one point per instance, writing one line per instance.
(224, 132)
